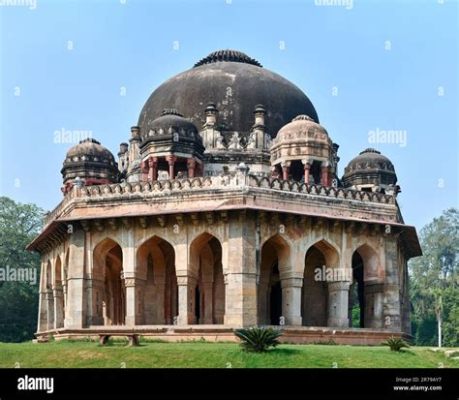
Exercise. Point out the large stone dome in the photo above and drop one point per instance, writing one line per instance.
(235, 83)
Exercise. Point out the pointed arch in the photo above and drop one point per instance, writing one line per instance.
(275, 263)
(208, 294)
(108, 289)
(329, 250)
(320, 257)
(157, 295)
(367, 290)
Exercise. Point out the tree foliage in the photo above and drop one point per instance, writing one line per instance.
(434, 281)
(19, 224)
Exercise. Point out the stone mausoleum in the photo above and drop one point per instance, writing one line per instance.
(224, 210)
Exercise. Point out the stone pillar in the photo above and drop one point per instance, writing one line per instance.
(239, 266)
(42, 310)
(325, 174)
(75, 317)
(42, 320)
(390, 294)
(134, 149)
(97, 288)
(307, 167)
(131, 306)
(152, 169)
(186, 290)
(207, 288)
(291, 300)
(373, 314)
(49, 309)
(285, 170)
(191, 165)
(128, 273)
(338, 303)
(58, 307)
(171, 161)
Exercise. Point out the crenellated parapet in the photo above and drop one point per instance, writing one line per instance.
(303, 197)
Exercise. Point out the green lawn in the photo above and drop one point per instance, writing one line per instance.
(76, 354)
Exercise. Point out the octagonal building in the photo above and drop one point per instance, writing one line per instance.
(225, 210)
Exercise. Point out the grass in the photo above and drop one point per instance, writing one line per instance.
(80, 354)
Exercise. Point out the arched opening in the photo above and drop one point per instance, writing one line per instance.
(366, 292)
(320, 259)
(59, 311)
(275, 296)
(315, 173)
(356, 293)
(297, 170)
(209, 291)
(274, 254)
(157, 298)
(109, 292)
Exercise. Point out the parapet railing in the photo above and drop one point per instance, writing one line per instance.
(239, 181)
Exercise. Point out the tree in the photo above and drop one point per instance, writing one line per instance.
(434, 282)
(19, 224)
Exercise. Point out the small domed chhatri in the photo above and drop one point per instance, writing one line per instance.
(91, 163)
(225, 209)
(172, 147)
(370, 171)
(302, 150)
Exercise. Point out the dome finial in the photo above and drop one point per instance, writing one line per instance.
(171, 111)
(228, 56)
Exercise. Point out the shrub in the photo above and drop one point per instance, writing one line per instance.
(395, 343)
(258, 339)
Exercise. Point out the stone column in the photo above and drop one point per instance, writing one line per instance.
(285, 169)
(42, 312)
(239, 265)
(49, 309)
(128, 273)
(186, 289)
(207, 288)
(42, 320)
(75, 317)
(390, 294)
(58, 307)
(97, 287)
(171, 161)
(152, 169)
(131, 309)
(373, 314)
(291, 300)
(307, 167)
(191, 165)
(325, 174)
(338, 302)
(134, 146)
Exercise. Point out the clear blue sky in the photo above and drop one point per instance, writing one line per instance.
(91, 65)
